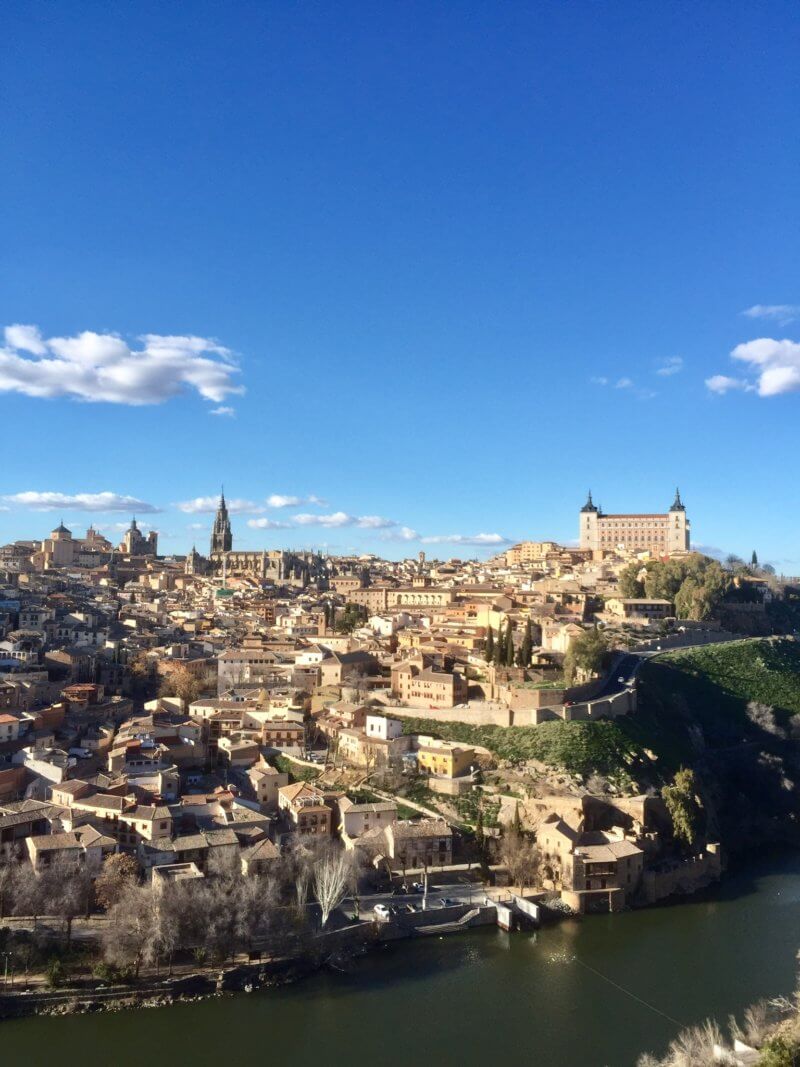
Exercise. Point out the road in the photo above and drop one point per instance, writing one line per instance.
(622, 676)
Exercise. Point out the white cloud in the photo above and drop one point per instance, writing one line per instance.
(774, 365)
(280, 500)
(341, 518)
(197, 526)
(375, 522)
(624, 383)
(104, 368)
(783, 314)
(209, 504)
(722, 383)
(462, 539)
(230, 412)
(337, 518)
(26, 338)
(402, 533)
(277, 500)
(81, 502)
(599, 380)
(268, 524)
(673, 365)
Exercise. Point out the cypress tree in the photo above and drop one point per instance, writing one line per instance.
(754, 560)
(488, 653)
(499, 648)
(509, 657)
(526, 648)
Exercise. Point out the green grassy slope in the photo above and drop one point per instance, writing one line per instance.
(689, 702)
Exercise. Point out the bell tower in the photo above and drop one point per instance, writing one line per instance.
(221, 536)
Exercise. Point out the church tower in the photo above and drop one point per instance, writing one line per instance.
(221, 536)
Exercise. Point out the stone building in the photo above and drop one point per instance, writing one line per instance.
(662, 535)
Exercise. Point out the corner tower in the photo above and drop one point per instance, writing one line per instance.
(678, 526)
(589, 530)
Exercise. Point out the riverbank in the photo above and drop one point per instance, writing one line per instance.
(590, 992)
(594, 992)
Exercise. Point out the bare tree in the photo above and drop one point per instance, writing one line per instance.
(119, 873)
(762, 716)
(128, 938)
(520, 856)
(67, 889)
(9, 877)
(332, 872)
(30, 895)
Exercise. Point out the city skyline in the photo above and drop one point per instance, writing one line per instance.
(282, 521)
(447, 272)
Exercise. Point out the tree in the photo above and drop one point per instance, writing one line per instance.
(181, 683)
(119, 873)
(520, 856)
(130, 935)
(585, 653)
(488, 652)
(8, 881)
(630, 585)
(754, 560)
(499, 648)
(509, 649)
(332, 871)
(526, 647)
(67, 888)
(682, 806)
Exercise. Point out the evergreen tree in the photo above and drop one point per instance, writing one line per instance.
(754, 559)
(509, 650)
(516, 823)
(526, 648)
(488, 653)
(499, 648)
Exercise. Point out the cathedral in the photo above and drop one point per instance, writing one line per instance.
(277, 566)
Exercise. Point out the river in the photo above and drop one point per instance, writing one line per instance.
(545, 999)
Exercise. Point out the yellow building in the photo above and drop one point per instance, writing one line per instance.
(445, 759)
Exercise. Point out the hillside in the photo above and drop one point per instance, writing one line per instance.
(690, 703)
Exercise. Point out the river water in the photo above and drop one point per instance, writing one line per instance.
(564, 997)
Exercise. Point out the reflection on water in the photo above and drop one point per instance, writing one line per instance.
(590, 993)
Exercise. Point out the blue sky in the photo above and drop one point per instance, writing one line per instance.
(449, 265)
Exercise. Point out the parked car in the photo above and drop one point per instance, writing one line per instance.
(381, 911)
(448, 902)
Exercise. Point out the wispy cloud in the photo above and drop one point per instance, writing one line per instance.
(722, 383)
(209, 504)
(279, 500)
(462, 539)
(342, 518)
(102, 367)
(625, 384)
(268, 524)
(782, 314)
(106, 501)
(673, 365)
(773, 367)
(229, 412)
(401, 533)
